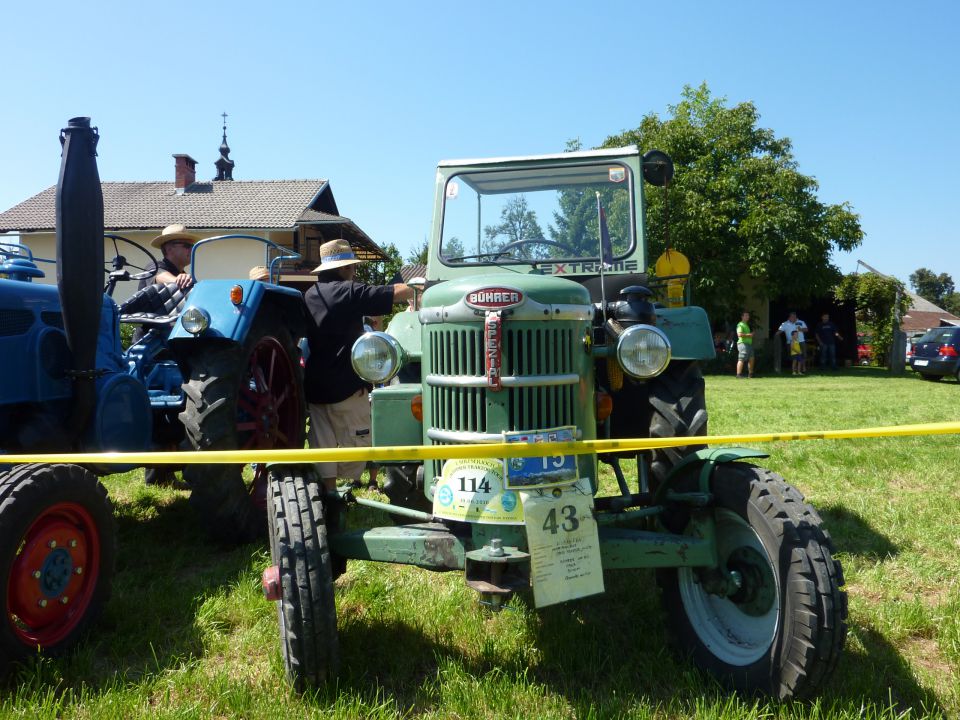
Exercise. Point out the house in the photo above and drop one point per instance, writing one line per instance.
(296, 214)
(924, 315)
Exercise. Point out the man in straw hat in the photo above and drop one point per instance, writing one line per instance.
(338, 398)
(175, 243)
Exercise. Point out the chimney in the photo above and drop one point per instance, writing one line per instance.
(185, 171)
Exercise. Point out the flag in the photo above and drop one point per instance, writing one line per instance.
(606, 251)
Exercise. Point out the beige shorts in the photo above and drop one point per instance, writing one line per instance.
(345, 424)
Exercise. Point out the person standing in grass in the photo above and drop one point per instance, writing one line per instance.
(745, 345)
(827, 337)
(796, 353)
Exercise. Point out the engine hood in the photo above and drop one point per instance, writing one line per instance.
(501, 291)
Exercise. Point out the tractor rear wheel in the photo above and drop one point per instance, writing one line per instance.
(247, 397)
(301, 556)
(57, 551)
(772, 617)
(678, 409)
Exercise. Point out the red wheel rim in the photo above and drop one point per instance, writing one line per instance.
(54, 576)
(268, 406)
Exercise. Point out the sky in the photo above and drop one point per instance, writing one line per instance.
(372, 95)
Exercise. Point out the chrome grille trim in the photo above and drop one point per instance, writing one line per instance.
(466, 381)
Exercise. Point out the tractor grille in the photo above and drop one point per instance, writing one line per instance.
(536, 355)
(15, 322)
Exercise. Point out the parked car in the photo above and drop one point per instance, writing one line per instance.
(937, 354)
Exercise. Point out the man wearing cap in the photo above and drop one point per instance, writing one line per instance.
(175, 243)
(338, 398)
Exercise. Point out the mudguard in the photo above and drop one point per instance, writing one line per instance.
(688, 329)
(708, 459)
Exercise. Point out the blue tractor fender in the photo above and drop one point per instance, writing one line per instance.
(231, 307)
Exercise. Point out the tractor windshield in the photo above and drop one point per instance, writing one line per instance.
(537, 215)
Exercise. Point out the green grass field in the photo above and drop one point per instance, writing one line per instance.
(188, 634)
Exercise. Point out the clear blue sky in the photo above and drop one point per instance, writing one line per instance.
(371, 95)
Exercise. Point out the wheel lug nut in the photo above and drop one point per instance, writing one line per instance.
(73, 543)
(52, 544)
(43, 603)
(78, 570)
(64, 600)
(36, 575)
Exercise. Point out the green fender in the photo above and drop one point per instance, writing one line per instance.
(709, 458)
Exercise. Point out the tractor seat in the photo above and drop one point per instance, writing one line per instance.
(154, 305)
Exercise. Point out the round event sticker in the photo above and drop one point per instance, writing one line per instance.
(472, 490)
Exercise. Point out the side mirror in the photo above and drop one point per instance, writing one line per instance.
(657, 167)
(418, 284)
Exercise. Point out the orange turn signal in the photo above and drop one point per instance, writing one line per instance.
(236, 294)
(416, 407)
(604, 406)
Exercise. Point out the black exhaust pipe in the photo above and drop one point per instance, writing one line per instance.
(79, 207)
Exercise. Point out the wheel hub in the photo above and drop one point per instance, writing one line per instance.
(757, 590)
(56, 573)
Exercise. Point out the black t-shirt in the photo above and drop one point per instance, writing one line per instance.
(337, 308)
(827, 333)
(161, 265)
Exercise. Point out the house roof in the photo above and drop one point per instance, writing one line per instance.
(237, 204)
(213, 205)
(924, 315)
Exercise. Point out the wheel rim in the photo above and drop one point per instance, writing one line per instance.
(54, 575)
(268, 411)
(738, 629)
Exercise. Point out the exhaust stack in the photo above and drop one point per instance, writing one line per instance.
(79, 218)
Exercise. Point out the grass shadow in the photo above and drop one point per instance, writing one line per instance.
(853, 534)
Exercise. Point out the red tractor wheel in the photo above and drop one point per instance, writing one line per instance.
(57, 550)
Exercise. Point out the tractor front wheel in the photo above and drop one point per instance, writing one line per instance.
(247, 397)
(303, 567)
(57, 552)
(678, 408)
(771, 618)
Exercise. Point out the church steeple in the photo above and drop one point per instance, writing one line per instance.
(224, 163)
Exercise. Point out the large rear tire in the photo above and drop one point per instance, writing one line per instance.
(678, 409)
(247, 397)
(781, 632)
(299, 550)
(57, 552)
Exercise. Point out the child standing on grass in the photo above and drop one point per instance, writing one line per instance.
(796, 354)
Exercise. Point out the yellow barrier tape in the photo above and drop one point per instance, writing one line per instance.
(449, 452)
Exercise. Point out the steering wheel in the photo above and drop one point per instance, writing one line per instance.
(116, 269)
(553, 243)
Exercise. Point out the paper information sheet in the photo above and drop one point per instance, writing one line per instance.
(564, 546)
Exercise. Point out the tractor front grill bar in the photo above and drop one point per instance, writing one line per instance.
(539, 382)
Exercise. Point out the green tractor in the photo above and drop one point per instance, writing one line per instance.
(539, 323)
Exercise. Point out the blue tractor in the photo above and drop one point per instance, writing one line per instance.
(217, 368)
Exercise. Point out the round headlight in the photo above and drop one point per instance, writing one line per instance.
(643, 351)
(195, 320)
(376, 357)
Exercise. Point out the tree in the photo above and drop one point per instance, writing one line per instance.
(738, 205)
(420, 253)
(517, 223)
(930, 286)
(381, 272)
(877, 299)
